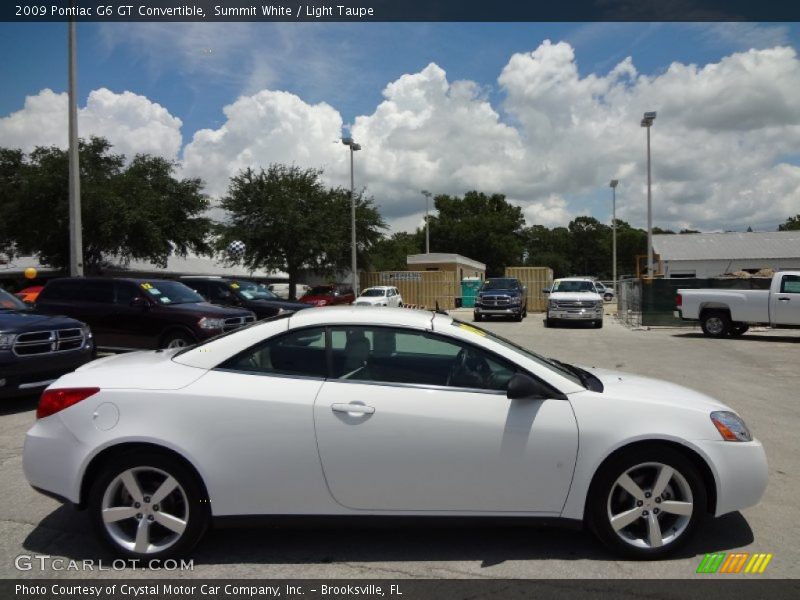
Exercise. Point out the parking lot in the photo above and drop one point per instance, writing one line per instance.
(757, 375)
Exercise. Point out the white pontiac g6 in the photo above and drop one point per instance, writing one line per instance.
(359, 411)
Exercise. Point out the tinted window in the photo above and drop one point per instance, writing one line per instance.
(320, 290)
(201, 287)
(389, 355)
(125, 292)
(500, 284)
(299, 352)
(170, 292)
(790, 284)
(11, 302)
(573, 286)
(252, 291)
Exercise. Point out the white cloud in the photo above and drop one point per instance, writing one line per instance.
(132, 123)
(721, 145)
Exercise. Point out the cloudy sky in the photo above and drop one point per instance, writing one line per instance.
(546, 114)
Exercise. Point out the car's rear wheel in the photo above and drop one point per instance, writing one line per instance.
(647, 503)
(148, 506)
(716, 323)
(738, 329)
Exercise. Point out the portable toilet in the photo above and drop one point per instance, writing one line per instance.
(469, 291)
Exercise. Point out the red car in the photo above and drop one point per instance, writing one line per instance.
(329, 295)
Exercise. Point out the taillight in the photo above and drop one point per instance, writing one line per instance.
(678, 301)
(53, 401)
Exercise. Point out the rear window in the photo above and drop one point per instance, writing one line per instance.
(320, 290)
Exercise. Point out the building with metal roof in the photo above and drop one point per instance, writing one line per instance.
(716, 254)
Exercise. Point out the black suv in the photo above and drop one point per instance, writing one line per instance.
(37, 349)
(246, 294)
(133, 314)
(502, 297)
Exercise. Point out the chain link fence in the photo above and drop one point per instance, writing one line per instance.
(629, 302)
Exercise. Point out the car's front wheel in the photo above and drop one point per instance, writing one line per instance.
(148, 506)
(647, 503)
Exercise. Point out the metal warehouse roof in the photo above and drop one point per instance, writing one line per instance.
(721, 246)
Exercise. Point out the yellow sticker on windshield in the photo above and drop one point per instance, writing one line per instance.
(234, 286)
(471, 329)
(147, 286)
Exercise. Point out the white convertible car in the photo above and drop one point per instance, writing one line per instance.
(364, 411)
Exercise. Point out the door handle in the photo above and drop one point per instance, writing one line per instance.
(784, 299)
(360, 409)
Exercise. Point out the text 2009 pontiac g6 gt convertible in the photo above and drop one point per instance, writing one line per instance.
(391, 412)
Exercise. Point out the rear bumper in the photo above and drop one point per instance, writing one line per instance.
(52, 459)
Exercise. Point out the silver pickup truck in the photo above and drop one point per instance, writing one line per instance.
(731, 312)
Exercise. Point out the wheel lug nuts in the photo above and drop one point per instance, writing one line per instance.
(646, 495)
(150, 517)
(138, 515)
(655, 511)
(136, 505)
(645, 513)
(146, 499)
(658, 500)
(639, 503)
(155, 507)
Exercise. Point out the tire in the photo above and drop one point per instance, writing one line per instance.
(656, 532)
(598, 324)
(518, 318)
(525, 312)
(549, 322)
(608, 297)
(738, 329)
(184, 509)
(177, 339)
(716, 323)
(476, 317)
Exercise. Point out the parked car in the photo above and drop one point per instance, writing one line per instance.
(445, 419)
(29, 294)
(501, 297)
(281, 290)
(573, 299)
(329, 295)
(606, 292)
(244, 294)
(134, 314)
(381, 295)
(731, 312)
(37, 349)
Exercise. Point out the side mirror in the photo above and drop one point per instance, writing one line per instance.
(546, 291)
(139, 302)
(524, 387)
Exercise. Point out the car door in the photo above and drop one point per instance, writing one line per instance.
(133, 325)
(398, 431)
(785, 309)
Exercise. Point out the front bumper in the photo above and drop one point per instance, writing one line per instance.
(21, 376)
(497, 310)
(575, 314)
(740, 470)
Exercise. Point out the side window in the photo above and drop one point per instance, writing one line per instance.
(220, 293)
(790, 284)
(383, 354)
(101, 292)
(300, 353)
(124, 293)
(198, 286)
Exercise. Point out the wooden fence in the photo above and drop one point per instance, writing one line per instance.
(421, 288)
(535, 279)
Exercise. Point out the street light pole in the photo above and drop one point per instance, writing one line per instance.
(353, 266)
(75, 231)
(613, 185)
(427, 195)
(647, 122)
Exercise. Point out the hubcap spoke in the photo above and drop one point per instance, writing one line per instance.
(664, 477)
(130, 483)
(624, 519)
(654, 531)
(164, 490)
(677, 508)
(142, 536)
(118, 513)
(630, 486)
(170, 522)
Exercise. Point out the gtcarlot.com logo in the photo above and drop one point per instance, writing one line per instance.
(736, 562)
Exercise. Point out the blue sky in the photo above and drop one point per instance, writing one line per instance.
(195, 70)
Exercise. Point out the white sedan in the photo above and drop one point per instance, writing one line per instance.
(350, 411)
(381, 295)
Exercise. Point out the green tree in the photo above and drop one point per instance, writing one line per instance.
(481, 227)
(139, 211)
(390, 253)
(289, 221)
(591, 246)
(791, 224)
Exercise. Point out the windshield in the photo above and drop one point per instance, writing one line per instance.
(373, 292)
(11, 302)
(553, 365)
(499, 284)
(320, 290)
(170, 292)
(573, 286)
(252, 291)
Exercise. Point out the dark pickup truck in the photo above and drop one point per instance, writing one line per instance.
(502, 297)
(37, 349)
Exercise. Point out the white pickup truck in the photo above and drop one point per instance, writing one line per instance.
(731, 312)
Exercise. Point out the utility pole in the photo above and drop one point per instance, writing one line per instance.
(75, 226)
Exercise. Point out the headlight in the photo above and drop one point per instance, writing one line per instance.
(551, 303)
(598, 304)
(87, 332)
(322, 302)
(516, 300)
(7, 340)
(207, 323)
(730, 426)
